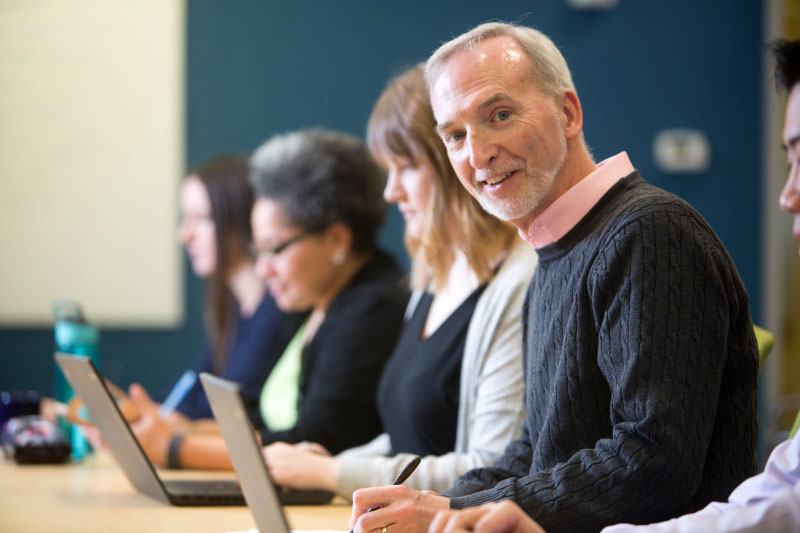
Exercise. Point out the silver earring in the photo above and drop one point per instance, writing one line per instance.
(338, 257)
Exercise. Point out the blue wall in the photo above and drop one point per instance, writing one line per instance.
(255, 68)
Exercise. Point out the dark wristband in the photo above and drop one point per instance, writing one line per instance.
(173, 451)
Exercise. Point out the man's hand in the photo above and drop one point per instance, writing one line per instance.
(496, 517)
(299, 467)
(401, 509)
(152, 432)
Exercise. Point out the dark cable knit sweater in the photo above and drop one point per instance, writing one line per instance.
(640, 365)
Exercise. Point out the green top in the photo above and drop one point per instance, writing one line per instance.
(279, 397)
(765, 341)
(796, 427)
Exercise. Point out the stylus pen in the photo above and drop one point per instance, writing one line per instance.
(407, 471)
(178, 393)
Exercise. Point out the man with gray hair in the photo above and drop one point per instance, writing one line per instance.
(640, 359)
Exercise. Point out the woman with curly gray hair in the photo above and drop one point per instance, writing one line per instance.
(315, 223)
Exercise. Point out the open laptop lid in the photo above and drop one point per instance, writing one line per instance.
(89, 385)
(237, 430)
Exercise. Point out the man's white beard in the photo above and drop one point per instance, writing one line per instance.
(534, 186)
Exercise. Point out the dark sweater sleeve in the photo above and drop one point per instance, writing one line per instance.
(514, 463)
(667, 318)
(342, 365)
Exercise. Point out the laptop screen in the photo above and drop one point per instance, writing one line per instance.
(231, 416)
(104, 413)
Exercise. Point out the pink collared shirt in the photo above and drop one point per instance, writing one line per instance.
(568, 209)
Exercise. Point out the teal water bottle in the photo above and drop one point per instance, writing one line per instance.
(76, 336)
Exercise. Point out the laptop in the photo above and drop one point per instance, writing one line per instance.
(261, 494)
(105, 414)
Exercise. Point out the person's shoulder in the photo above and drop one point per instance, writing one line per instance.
(514, 274)
(635, 203)
(639, 198)
(648, 222)
(370, 308)
(519, 264)
(267, 311)
(379, 284)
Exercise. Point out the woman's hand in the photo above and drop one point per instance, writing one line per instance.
(301, 466)
(179, 422)
(153, 433)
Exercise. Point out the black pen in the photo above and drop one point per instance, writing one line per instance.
(407, 471)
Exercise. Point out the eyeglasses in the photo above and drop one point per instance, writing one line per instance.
(277, 250)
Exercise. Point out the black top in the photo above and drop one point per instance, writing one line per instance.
(343, 362)
(418, 391)
(249, 358)
(641, 367)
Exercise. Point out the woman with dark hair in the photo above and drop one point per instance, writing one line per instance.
(315, 223)
(240, 317)
(242, 321)
(452, 390)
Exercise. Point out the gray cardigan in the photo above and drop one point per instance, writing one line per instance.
(490, 405)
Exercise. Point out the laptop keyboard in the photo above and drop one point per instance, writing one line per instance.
(201, 486)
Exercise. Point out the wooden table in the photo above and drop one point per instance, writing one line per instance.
(94, 495)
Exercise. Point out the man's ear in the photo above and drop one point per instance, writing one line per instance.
(572, 114)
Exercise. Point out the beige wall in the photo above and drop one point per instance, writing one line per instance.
(91, 122)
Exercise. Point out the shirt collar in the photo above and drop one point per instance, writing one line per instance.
(568, 209)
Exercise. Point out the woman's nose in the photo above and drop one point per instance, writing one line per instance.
(393, 192)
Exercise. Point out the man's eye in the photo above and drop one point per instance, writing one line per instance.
(455, 136)
(502, 115)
